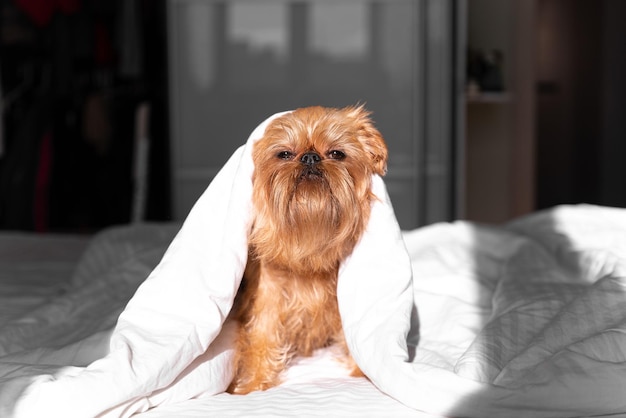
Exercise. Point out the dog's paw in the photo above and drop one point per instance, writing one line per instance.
(241, 387)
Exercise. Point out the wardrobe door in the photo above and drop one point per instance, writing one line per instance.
(234, 63)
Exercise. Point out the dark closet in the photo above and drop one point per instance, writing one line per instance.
(81, 81)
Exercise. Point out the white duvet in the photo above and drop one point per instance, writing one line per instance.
(522, 320)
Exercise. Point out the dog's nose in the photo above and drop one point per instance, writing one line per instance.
(310, 158)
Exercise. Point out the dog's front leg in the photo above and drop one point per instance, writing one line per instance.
(260, 358)
(261, 350)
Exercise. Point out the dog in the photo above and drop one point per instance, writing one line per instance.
(311, 200)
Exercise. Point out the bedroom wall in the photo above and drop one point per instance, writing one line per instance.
(568, 132)
(558, 136)
(612, 169)
(582, 94)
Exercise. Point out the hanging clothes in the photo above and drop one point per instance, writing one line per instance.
(19, 168)
(130, 40)
(41, 12)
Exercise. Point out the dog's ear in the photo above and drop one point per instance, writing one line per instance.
(371, 139)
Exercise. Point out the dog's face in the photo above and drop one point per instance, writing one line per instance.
(312, 184)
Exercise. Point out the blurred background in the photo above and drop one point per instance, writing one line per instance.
(117, 111)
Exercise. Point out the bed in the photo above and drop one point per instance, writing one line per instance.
(539, 301)
(450, 320)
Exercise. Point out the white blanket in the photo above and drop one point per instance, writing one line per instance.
(524, 320)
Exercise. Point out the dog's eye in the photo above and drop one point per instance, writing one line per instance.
(336, 155)
(285, 155)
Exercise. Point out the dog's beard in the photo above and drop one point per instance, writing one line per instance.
(307, 219)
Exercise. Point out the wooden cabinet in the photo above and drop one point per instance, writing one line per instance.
(499, 145)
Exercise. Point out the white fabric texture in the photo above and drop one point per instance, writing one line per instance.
(174, 316)
(523, 320)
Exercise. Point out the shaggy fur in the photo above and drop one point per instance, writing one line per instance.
(312, 198)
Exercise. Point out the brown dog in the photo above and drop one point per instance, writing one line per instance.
(312, 198)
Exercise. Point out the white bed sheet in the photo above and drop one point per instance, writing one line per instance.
(538, 303)
(93, 280)
(34, 268)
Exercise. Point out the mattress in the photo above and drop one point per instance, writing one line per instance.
(536, 306)
(35, 268)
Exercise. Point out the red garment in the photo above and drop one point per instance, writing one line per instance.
(41, 11)
(104, 52)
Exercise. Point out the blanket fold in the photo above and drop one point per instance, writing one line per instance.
(175, 314)
(178, 312)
